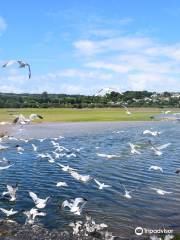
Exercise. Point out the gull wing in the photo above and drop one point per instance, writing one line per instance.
(77, 201)
(10, 189)
(9, 63)
(66, 204)
(105, 185)
(163, 146)
(29, 70)
(4, 210)
(33, 196)
(98, 183)
(75, 175)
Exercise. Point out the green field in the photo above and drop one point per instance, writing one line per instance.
(83, 115)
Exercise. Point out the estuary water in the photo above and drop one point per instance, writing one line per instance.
(87, 141)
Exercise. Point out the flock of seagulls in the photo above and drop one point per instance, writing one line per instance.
(76, 205)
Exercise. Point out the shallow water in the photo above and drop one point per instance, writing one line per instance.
(145, 209)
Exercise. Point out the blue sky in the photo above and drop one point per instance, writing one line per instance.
(81, 46)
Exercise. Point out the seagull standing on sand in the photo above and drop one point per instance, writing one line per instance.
(74, 205)
(21, 65)
(40, 203)
(101, 185)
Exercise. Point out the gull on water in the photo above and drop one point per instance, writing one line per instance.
(75, 205)
(39, 202)
(101, 185)
(157, 151)
(32, 214)
(11, 192)
(24, 140)
(4, 160)
(61, 184)
(133, 148)
(21, 63)
(82, 178)
(8, 212)
(109, 156)
(3, 147)
(160, 191)
(156, 168)
(153, 133)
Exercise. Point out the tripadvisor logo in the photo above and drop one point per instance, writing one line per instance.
(140, 231)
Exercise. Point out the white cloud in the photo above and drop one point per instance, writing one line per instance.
(3, 25)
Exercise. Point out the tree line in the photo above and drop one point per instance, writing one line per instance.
(113, 99)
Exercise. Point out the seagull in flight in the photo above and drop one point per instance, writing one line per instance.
(160, 191)
(101, 185)
(32, 214)
(127, 193)
(133, 148)
(157, 151)
(75, 205)
(126, 109)
(40, 203)
(66, 168)
(155, 133)
(8, 212)
(11, 192)
(22, 120)
(156, 168)
(20, 63)
(34, 147)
